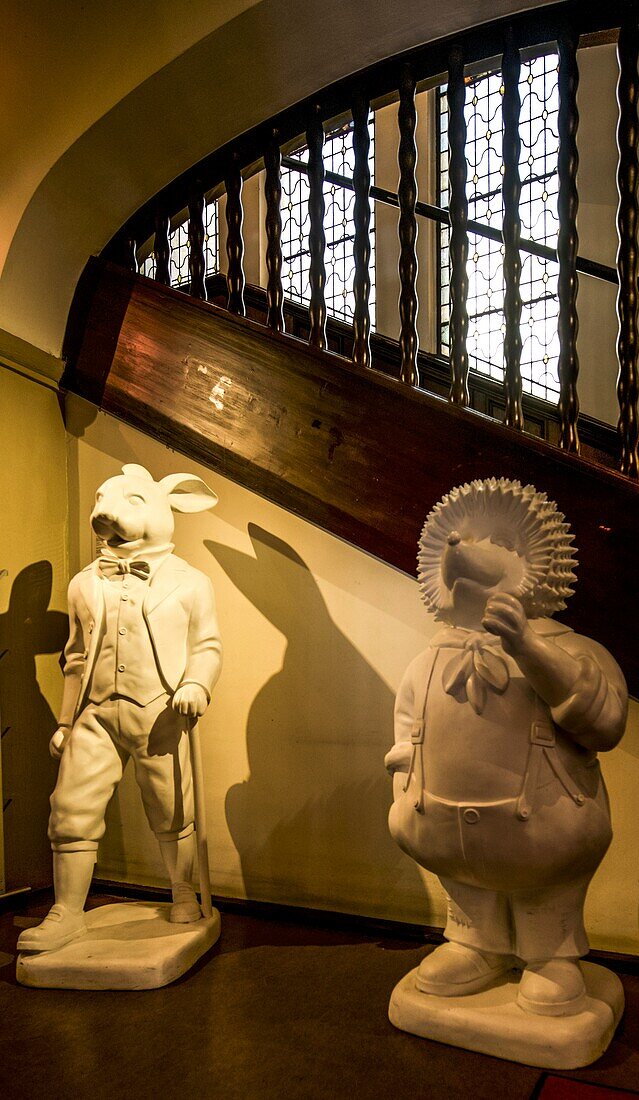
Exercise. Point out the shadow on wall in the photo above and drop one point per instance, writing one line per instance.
(27, 629)
(310, 824)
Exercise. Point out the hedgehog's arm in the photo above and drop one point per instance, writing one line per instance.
(578, 679)
(594, 711)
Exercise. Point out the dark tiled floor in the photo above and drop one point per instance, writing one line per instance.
(276, 1011)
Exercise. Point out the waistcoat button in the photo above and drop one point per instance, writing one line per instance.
(471, 816)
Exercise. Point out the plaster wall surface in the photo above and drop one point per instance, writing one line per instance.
(67, 65)
(33, 618)
(317, 637)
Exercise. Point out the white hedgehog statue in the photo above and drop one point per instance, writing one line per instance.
(497, 788)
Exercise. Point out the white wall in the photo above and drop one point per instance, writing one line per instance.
(317, 636)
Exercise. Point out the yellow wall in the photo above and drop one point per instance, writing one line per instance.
(33, 621)
(317, 636)
(317, 633)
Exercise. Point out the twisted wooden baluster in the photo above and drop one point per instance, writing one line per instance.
(316, 235)
(234, 240)
(197, 260)
(568, 240)
(458, 209)
(511, 191)
(273, 192)
(162, 249)
(627, 226)
(129, 253)
(407, 228)
(362, 242)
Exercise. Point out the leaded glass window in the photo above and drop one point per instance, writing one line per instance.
(179, 241)
(539, 222)
(339, 227)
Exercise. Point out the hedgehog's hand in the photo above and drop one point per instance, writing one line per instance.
(505, 617)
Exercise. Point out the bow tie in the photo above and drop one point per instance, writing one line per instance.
(111, 567)
(479, 668)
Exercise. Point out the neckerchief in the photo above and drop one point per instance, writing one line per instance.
(479, 667)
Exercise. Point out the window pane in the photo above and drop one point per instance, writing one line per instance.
(179, 240)
(339, 227)
(538, 209)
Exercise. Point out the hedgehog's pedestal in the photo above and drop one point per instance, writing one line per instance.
(491, 1022)
(128, 946)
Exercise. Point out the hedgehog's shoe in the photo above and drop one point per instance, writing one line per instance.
(455, 970)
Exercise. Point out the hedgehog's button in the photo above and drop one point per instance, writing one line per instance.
(471, 815)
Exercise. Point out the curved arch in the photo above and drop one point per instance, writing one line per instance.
(271, 55)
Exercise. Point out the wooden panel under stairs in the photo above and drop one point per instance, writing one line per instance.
(347, 448)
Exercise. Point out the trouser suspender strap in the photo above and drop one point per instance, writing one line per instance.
(417, 734)
(543, 744)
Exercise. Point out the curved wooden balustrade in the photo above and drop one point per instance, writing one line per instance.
(342, 409)
(351, 449)
(561, 24)
(349, 414)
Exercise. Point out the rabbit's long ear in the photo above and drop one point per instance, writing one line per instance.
(188, 493)
(133, 470)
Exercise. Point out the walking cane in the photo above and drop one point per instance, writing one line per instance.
(200, 817)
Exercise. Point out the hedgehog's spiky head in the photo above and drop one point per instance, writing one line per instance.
(515, 538)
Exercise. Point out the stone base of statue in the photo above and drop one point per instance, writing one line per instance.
(492, 1022)
(127, 946)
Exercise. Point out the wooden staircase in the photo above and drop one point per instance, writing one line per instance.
(346, 447)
